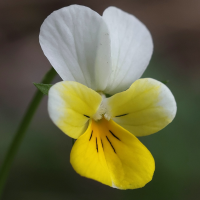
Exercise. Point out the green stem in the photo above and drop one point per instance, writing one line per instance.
(12, 151)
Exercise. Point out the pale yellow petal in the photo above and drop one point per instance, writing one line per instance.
(70, 106)
(145, 108)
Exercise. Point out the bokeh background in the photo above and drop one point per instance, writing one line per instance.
(41, 169)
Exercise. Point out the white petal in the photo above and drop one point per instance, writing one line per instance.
(76, 41)
(131, 48)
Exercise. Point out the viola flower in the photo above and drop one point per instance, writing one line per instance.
(96, 56)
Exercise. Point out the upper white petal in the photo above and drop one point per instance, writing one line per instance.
(131, 48)
(76, 41)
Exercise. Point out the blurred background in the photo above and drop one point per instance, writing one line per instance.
(41, 169)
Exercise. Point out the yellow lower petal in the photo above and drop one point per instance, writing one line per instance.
(113, 156)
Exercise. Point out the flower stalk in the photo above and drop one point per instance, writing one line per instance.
(18, 138)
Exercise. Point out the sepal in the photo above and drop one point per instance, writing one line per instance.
(44, 88)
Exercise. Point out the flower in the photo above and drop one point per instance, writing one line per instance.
(98, 55)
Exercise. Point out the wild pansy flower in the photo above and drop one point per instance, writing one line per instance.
(96, 56)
